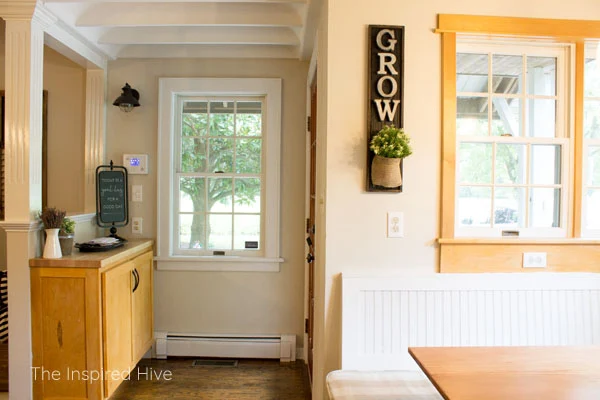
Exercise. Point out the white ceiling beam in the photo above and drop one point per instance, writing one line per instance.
(207, 51)
(200, 35)
(178, 1)
(70, 43)
(189, 14)
(309, 28)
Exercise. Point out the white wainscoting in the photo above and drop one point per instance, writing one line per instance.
(384, 315)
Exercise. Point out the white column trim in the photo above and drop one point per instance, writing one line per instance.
(23, 130)
(23, 226)
(15, 9)
(95, 114)
(24, 85)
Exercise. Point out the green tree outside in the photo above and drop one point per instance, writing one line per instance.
(207, 147)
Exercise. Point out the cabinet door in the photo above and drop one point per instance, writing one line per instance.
(142, 313)
(117, 285)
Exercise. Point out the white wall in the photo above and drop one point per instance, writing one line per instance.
(356, 220)
(214, 302)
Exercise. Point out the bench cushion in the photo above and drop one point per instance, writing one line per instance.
(380, 385)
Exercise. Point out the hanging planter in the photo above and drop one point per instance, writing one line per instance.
(390, 146)
(386, 172)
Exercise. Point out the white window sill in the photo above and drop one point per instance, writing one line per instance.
(218, 263)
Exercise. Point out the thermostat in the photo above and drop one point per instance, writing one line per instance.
(136, 163)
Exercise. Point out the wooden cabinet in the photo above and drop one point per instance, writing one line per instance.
(92, 320)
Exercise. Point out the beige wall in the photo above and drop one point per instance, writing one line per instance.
(215, 302)
(65, 82)
(343, 57)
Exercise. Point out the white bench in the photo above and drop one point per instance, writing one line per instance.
(383, 315)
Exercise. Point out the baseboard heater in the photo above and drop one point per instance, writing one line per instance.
(282, 347)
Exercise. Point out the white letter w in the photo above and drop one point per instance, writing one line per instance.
(387, 111)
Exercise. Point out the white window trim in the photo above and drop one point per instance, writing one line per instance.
(169, 89)
(564, 92)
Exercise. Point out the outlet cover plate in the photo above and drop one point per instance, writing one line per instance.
(136, 225)
(395, 225)
(534, 260)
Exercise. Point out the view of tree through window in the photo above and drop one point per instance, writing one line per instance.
(509, 150)
(220, 174)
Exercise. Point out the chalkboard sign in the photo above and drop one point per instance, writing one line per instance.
(111, 196)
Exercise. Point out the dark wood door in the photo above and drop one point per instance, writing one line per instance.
(311, 226)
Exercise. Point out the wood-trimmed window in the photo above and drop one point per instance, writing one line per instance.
(474, 48)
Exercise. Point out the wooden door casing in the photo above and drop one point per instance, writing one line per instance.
(312, 225)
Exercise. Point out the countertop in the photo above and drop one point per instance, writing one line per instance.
(103, 259)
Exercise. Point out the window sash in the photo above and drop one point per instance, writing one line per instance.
(561, 136)
(177, 174)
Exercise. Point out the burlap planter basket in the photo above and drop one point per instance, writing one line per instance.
(386, 172)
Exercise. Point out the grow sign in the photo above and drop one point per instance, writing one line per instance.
(386, 88)
(386, 72)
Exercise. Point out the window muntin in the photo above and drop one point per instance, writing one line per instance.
(590, 226)
(512, 140)
(218, 176)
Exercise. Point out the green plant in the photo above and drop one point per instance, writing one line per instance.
(52, 217)
(67, 227)
(391, 142)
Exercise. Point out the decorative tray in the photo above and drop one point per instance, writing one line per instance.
(100, 244)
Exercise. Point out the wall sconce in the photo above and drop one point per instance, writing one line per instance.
(128, 99)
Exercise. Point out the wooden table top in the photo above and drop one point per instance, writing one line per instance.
(515, 373)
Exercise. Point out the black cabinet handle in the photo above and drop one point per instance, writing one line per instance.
(136, 276)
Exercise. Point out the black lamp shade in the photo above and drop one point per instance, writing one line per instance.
(128, 99)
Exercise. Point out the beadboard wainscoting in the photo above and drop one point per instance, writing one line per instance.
(383, 315)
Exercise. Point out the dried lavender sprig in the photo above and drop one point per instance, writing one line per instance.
(52, 217)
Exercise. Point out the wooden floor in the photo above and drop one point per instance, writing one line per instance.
(250, 380)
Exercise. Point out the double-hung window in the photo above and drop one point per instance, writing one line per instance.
(512, 139)
(520, 144)
(219, 160)
(218, 175)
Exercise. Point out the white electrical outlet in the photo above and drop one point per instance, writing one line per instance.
(136, 193)
(136, 225)
(395, 225)
(534, 260)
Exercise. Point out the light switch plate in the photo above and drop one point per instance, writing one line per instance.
(395, 225)
(136, 193)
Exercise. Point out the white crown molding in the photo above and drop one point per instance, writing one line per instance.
(23, 226)
(43, 17)
(71, 43)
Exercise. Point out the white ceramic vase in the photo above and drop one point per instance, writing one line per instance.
(52, 246)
